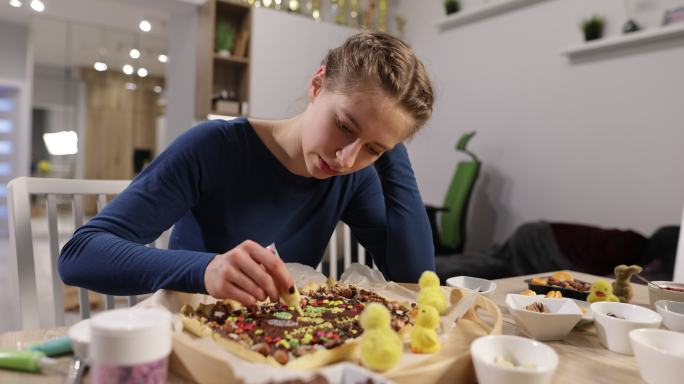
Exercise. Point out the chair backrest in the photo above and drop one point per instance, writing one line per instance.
(48, 309)
(346, 242)
(453, 221)
(679, 260)
(49, 302)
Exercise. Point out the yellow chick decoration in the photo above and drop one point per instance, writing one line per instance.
(423, 336)
(430, 293)
(381, 346)
(601, 290)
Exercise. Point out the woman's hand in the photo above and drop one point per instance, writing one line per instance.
(247, 273)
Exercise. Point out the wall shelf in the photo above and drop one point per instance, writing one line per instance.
(231, 59)
(630, 40)
(494, 8)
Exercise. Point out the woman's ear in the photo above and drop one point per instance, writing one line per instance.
(316, 84)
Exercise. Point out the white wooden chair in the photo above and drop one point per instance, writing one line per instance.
(333, 251)
(46, 308)
(679, 260)
(48, 311)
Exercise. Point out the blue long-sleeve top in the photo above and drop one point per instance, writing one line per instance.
(220, 185)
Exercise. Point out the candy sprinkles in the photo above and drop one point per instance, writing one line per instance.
(330, 316)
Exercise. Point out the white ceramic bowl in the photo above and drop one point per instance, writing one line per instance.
(475, 284)
(518, 350)
(659, 354)
(655, 293)
(613, 332)
(565, 314)
(672, 313)
(79, 335)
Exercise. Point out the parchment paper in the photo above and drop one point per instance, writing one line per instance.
(356, 274)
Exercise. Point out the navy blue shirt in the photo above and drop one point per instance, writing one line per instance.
(220, 185)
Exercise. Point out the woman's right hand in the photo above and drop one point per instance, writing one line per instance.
(247, 273)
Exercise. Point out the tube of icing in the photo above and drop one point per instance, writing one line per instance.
(52, 347)
(31, 361)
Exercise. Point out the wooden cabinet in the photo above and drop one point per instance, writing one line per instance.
(220, 74)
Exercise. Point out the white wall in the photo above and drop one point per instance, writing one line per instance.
(180, 74)
(286, 51)
(600, 141)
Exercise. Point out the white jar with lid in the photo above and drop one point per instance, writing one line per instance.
(130, 345)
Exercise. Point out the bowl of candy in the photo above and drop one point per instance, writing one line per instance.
(506, 359)
(615, 320)
(543, 318)
(665, 290)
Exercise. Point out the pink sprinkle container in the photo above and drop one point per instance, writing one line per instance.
(130, 346)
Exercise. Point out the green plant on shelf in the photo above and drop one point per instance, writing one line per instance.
(593, 28)
(225, 37)
(452, 6)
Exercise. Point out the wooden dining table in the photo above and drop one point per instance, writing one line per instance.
(582, 358)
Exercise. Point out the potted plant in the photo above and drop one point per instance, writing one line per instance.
(593, 28)
(452, 6)
(225, 37)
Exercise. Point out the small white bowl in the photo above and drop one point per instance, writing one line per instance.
(518, 350)
(613, 332)
(672, 313)
(475, 284)
(655, 293)
(659, 354)
(565, 314)
(79, 335)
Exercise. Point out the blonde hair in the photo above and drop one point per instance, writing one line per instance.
(376, 59)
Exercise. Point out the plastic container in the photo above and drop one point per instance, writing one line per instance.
(566, 292)
(130, 346)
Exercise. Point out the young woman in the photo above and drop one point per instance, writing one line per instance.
(232, 187)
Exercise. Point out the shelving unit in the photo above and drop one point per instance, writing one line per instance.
(634, 39)
(215, 72)
(491, 9)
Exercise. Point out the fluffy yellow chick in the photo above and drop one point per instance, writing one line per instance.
(423, 336)
(601, 290)
(381, 346)
(430, 293)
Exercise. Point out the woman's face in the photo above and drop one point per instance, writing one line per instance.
(343, 133)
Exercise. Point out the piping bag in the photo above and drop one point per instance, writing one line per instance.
(31, 361)
(291, 298)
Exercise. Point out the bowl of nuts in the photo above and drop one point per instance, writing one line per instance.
(543, 318)
(561, 281)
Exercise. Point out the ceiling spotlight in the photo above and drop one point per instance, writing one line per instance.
(15, 3)
(100, 66)
(37, 5)
(131, 86)
(163, 58)
(145, 26)
(142, 72)
(157, 89)
(134, 53)
(128, 69)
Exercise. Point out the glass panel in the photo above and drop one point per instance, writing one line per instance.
(5, 147)
(5, 169)
(6, 105)
(5, 126)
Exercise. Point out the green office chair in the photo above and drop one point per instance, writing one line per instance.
(450, 236)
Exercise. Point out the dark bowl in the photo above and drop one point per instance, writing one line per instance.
(566, 292)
